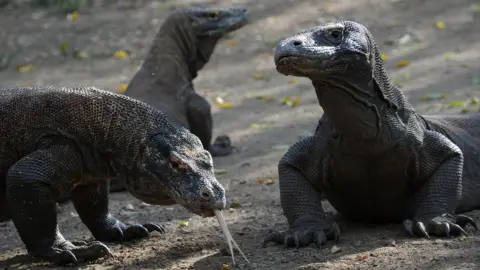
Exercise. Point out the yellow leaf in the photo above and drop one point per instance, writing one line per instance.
(225, 267)
(120, 54)
(440, 25)
(384, 57)
(235, 205)
(26, 68)
(222, 104)
(293, 80)
(259, 76)
(402, 63)
(448, 55)
(183, 224)
(260, 126)
(64, 47)
(290, 101)
(73, 16)
(220, 171)
(455, 104)
(122, 88)
(232, 43)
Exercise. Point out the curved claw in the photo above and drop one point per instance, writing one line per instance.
(462, 220)
(455, 228)
(65, 252)
(155, 227)
(305, 234)
(272, 236)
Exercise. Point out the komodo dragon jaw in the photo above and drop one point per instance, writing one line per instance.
(183, 174)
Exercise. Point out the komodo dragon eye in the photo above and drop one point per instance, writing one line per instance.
(212, 15)
(177, 164)
(335, 34)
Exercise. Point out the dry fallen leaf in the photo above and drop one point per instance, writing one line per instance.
(455, 104)
(26, 68)
(440, 25)
(120, 54)
(260, 126)
(183, 224)
(266, 181)
(235, 205)
(232, 43)
(73, 16)
(293, 80)
(402, 63)
(384, 57)
(222, 104)
(220, 171)
(122, 88)
(259, 76)
(225, 267)
(290, 101)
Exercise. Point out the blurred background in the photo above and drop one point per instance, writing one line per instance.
(431, 49)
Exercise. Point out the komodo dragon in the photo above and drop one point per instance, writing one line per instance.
(181, 48)
(372, 155)
(74, 140)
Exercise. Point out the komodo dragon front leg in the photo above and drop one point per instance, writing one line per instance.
(201, 124)
(301, 199)
(33, 185)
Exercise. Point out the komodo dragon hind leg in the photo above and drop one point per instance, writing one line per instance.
(201, 124)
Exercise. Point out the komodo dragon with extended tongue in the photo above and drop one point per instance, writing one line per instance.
(181, 48)
(373, 157)
(59, 140)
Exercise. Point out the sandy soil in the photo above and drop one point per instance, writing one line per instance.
(441, 61)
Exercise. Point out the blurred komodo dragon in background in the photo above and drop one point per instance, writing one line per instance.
(373, 157)
(75, 139)
(182, 47)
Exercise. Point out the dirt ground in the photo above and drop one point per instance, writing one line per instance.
(440, 61)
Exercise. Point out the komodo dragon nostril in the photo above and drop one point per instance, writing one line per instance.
(297, 43)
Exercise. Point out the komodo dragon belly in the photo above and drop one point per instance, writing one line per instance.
(372, 190)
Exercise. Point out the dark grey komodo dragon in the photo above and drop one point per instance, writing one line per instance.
(59, 140)
(181, 48)
(372, 156)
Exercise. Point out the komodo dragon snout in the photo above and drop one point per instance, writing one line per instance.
(217, 21)
(177, 169)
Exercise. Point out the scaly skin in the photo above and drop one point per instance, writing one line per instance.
(181, 48)
(372, 156)
(72, 140)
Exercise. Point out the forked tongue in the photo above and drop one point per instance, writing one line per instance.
(228, 236)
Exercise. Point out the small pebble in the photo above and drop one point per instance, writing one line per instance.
(129, 207)
(335, 249)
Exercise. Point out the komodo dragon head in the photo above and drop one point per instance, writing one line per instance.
(345, 66)
(175, 168)
(197, 30)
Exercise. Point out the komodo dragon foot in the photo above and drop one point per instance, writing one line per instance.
(222, 146)
(442, 226)
(304, 232)
(65, 252)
